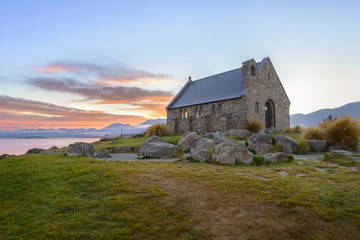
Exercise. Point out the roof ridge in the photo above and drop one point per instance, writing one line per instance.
(204, 78)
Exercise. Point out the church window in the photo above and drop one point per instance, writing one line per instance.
(253, 70)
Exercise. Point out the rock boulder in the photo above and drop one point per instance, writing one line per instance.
(102, 154)
(317, 145)
(188, 141)
(122, 149)
(238, 132)
(279, 157)
(205, 143)
(231, 154)
(260, 142)
(155, 147)
(289, 145)
(218, 138)
(200, 155)
(34, 150)
(80, 149)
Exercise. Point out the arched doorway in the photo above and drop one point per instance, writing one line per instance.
(269, 114)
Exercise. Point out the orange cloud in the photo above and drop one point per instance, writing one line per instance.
(18, 113)
(54, 68)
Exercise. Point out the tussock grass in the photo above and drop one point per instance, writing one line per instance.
(313, 133)
(344, 131)
(276, 148)
(160, 129)
(303, 147)
(254, 126)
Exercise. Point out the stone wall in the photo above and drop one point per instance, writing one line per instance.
(208, 117)
(263, 87)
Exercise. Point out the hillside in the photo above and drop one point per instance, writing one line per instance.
(312, 119)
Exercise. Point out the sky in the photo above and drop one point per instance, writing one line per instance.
(77, 63)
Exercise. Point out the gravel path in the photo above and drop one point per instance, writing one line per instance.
(310, 156)
(133, 157)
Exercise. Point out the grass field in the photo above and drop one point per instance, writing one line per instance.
(54, 196)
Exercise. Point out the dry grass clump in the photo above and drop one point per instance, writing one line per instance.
(254, 126)
(303, 147)
(276, 148)
(313, 133)
(160, 129)
(344, 131)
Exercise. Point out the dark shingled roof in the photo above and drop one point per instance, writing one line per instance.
(222, 86)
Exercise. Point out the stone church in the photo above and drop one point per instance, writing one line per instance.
(226, 100)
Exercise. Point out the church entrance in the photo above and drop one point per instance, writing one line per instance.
(269, 114)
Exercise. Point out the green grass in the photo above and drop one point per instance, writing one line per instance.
(53, 196)
(134, 142)
(294, 135)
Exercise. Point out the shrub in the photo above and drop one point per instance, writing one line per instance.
(303, 147)
(253, 126)
(313, 133)
(159, 129)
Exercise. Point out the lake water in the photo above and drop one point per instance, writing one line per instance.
(20, 146)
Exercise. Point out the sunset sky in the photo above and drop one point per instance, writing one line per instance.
(88, 64)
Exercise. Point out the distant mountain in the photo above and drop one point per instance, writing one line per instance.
(113, 129)
(153, 121)
(312, 119)
(116, 126)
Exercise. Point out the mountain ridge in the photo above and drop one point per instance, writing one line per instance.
(312, 119)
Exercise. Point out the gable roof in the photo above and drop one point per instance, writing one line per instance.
(222, 86)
